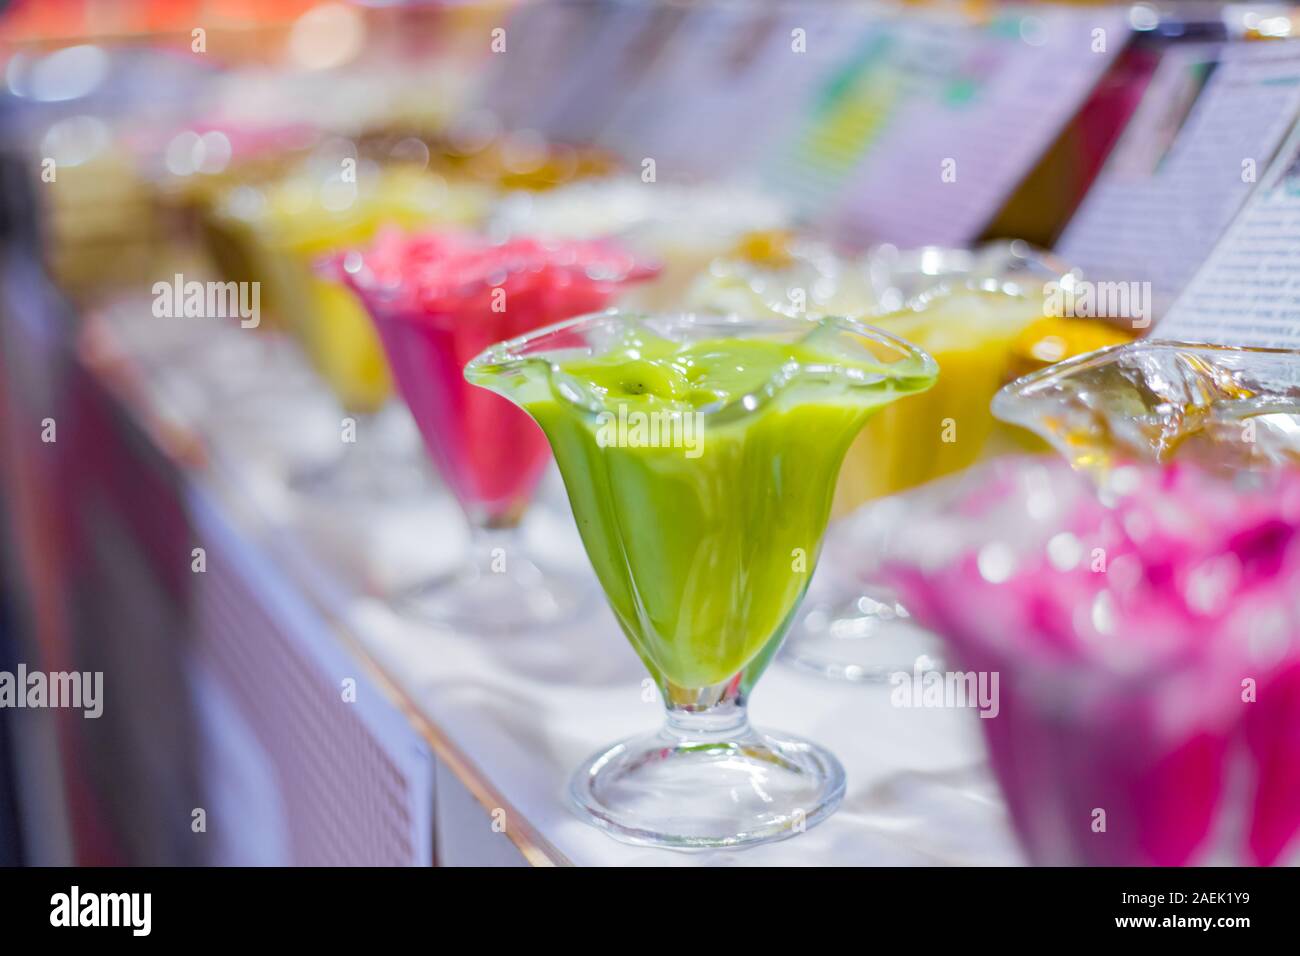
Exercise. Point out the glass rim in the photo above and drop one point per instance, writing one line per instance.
(913, 362)
(351, 266)
(1030, 382)
(820, 262)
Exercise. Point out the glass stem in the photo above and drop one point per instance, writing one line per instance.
(364, 431)
(704, 714)
(496, 550)
(355, 458)
(387, 425)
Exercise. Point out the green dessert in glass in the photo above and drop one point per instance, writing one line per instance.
(700, 455)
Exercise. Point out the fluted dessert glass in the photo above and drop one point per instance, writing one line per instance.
(282, 226)
(700, 455)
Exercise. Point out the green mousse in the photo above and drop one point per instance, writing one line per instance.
(701, 473)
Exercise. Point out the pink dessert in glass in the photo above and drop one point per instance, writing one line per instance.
(438, 299)
(1148, 648)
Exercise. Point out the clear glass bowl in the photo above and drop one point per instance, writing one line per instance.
(705, 556)
(1231, 410)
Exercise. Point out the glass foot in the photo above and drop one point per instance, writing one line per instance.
(353, 474)
(505, 593)
(696, 792)
(243, 366)
(863, 638)
(382, 464)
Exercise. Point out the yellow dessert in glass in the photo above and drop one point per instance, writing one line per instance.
(971, 334)
(980, 327)
(983, 333)
(284, 225)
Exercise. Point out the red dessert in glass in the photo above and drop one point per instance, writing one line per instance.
(440, 298)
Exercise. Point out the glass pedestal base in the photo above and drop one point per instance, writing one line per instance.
(698, 791)
(384, 462)
(498, 593)
(354, 475)
(863, 638)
